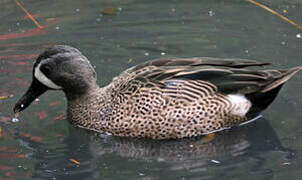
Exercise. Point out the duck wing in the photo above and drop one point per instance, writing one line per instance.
(224, 76)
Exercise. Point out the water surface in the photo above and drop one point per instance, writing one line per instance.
(42, 143)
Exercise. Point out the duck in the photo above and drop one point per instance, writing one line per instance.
(167, 98)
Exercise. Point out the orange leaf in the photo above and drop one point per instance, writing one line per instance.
(75, 161)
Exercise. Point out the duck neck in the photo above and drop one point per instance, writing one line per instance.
(83, 110)
(77, 93)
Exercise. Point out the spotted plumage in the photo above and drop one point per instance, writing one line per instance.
(160, 99)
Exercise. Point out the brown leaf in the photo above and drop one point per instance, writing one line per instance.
(109, 11)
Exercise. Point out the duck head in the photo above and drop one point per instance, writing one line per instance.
(59, 68)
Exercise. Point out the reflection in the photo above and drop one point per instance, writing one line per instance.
(15, 161)
(100, 156)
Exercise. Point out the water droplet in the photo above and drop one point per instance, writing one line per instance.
(211, 13)
(14, 120)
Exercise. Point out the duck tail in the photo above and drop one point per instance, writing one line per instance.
(282, 78)
(261, 100)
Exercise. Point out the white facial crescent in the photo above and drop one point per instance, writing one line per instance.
(44, 80)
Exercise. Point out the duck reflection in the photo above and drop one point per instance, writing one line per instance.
(102, 156)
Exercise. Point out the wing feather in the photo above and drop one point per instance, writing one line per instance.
(203, 76)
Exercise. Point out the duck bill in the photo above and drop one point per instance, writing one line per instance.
(34, 91)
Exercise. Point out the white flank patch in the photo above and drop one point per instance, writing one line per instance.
(241, 104)
(44, 80)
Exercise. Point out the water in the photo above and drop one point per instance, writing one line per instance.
(42, 143)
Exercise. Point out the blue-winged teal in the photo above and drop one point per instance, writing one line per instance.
(159, 99)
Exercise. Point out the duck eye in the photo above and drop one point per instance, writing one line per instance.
(46, 69)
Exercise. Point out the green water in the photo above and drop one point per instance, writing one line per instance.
(42, 143)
